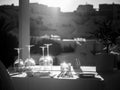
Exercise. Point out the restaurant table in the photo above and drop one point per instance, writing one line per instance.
(37, 83)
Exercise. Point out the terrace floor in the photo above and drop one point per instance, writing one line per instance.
(111, 80)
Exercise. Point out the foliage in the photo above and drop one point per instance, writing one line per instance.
(106, 34)
(55, 48)
(8, 41)
(68, 49)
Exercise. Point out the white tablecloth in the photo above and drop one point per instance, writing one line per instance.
(37, 83)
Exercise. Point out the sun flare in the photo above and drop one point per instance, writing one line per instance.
(63, 4)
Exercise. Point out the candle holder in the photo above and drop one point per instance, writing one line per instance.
(78, 64)
(65, 71)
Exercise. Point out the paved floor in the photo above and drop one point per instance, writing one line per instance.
(111, 80)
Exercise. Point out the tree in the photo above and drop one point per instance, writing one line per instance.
(106, 34)
(55, 48)
(8, 41)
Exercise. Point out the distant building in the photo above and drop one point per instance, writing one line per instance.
(9, 7)
(85, 9)
(110, 11)
(40, 8)
(55, 37)
(45, 36)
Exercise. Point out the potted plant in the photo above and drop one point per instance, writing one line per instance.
(106, 35)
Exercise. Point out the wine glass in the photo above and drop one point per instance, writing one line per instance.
(42, 58)
(18, 64)
(29, 61)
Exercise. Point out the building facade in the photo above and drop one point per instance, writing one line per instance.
(110, 11)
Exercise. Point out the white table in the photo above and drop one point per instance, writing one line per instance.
(37, 83)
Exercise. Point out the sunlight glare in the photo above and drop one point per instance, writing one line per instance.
(63, 4)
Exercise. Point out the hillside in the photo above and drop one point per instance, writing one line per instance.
(49, 20)
(52, 21)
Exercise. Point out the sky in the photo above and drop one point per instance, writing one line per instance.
(65, 5)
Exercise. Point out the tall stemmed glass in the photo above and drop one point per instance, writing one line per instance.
(29, 47)
(29, 61)
(18, 64)
(42, 58)
(48, 45)
(48, 57)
